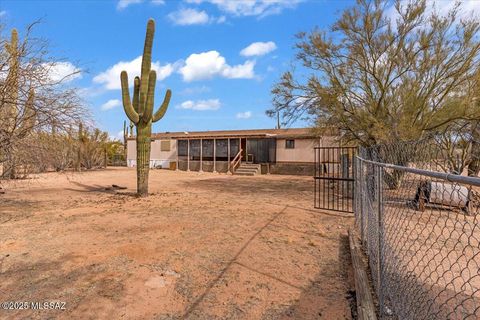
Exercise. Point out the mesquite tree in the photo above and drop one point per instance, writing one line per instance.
(18, 119)
(140, 109)
(381, 75)
(35, 99)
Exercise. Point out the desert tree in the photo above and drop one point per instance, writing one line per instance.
(382, 74)
(34, 95)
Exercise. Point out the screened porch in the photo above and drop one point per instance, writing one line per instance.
(217, 154)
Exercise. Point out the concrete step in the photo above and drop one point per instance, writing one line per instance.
(246, 170)
(244, 173)
(250, 165)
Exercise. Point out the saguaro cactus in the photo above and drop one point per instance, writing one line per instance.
(17, 121)
(13, 107)
(140, 109)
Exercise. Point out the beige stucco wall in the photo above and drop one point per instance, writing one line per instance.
(303, 151)
(157, 157)
(157, 154)
(131, 150)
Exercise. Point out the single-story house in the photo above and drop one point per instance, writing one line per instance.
(287, 151)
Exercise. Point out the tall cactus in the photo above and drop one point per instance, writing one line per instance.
(27, 118)
(140, 109)
(16, 124)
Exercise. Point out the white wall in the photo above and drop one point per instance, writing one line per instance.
(157, 157)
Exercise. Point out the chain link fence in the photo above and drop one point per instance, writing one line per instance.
(419, 225)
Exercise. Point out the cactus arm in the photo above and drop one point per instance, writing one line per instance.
(163, 108)
(152, 79)
(127, 104)
(136, 92)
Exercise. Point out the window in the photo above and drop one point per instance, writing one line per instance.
(289, 144)
(165, 145)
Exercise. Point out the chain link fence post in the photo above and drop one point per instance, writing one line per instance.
(380, 239)
(362, 217)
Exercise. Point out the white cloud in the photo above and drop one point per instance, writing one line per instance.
(241, 71)
(122, 4)
(206, 65)
(158, 2)
(63, 71)
(186, 17)
(244, 115)
(111, 77)
(116, 136)
(201, 105)
(110, 104)
(258, 49)
(195, 90)
(260, 8)
(468, 9)
(2, 13)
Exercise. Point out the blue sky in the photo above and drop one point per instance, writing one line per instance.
(220, 58)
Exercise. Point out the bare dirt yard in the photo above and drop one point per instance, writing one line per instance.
(201, 246)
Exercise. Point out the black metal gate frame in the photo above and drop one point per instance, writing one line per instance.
(322, 200)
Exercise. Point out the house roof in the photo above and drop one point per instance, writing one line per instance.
(254, 133)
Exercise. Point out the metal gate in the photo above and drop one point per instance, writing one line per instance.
(334, 178)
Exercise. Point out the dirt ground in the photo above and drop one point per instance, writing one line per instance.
(201, 246)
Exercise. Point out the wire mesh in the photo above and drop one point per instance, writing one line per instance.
(421, 233)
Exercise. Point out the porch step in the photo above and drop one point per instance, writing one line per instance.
(247, 169)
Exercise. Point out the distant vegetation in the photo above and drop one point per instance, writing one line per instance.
(41, 117)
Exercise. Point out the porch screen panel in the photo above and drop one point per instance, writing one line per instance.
(182, 148)
(195, 149)
(222, 148)
(272, 150)
(207, 149)
(233, 148)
